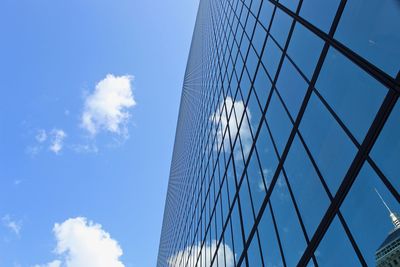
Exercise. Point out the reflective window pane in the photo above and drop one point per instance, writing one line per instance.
(292, 87)
(259, 38)
(262, 86)
(271, 57)
(281, 26)
(246, 207)
(320, 13)
(256, 182)
(279, 122)
(266, 13)
(251, 21)
(268, 158)
(289, 229)
(291, 4)
(353, 94)
(335, 248)
(255, 6)
(303, 180)
(253, 253)
(386, 152)
(269, 244)
(372, 29)
(332, 149)
(236, 229)
(304, 49)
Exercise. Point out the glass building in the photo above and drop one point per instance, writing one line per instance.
(388, 254)
(289, 125)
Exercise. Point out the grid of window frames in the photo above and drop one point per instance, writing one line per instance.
(289, 123)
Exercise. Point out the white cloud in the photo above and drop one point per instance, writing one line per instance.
(41, 136)
(207, 251)
(57, 140)
(107, 108)
(82, 243)
(84, 148)
(244, 130)
(14, 226)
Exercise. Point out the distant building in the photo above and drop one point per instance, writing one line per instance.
(388, 254)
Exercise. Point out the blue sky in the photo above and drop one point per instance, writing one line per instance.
(58, 58)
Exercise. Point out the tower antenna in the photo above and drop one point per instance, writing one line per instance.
(383, 201)
(395, 218)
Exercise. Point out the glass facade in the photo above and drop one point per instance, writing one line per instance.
(288, 134)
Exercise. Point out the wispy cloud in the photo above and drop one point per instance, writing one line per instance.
(52, 139)
(107, 108)
(55, 263)
(12, 225)
(41, 135)
(261, 186)
(82, 243)
(225, 256)
(57, 140)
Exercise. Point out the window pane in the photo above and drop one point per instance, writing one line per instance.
(246, 208)
(251, 65)
(266, 13)
(288, 225)
(267, 154)
(320, 13)
(243, 15)
(281, 26)
(304, 49)
(353, 94)
(255, 6)
(250, 25)
(262, 86)
(259, 38)
(253, 253)
(386, 151)
(279, 123)
(332, 149)
(306, 185)
(291, 4)
(365, 213)
(229, 246)
(372, 29)
(271, 57)
(236, 230)
(254, 111)
(244, 46)
(256, 182)
(292, 87)
(335, 248)
(245, 83)
(269, 243)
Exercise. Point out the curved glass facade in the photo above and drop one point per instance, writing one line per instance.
(288, 134)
